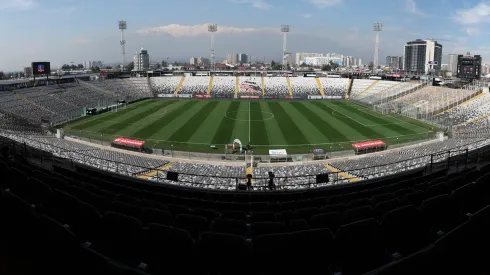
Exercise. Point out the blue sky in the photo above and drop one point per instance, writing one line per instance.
(63, 31)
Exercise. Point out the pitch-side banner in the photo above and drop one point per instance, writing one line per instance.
(184, 95)
(324, 97)
(202, 96)
(249, 96)
(165, 95)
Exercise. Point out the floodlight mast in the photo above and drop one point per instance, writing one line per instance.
(212, 28)
(123, 26)
(284, 31)
(377, 28)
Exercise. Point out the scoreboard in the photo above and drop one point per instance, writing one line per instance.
(39, 68)
(469, 67)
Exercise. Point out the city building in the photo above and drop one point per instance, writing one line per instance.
(420, 54)
(394, 62)
(193, 61)
(201, 61)
(141, 60)
(232, 58)
(243, 58)
(27, 71)
(453, 64)
(485, 69)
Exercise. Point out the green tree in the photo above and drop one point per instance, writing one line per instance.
(73, 67)
(326, 67)
(95, 70)
(275, 66)
(130, 66)
(65, 67)
(1, 75)
(80, 66)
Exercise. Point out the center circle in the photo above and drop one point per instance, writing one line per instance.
(270, 116)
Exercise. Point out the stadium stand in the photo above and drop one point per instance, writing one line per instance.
(304, 86)
(334, 86)
(224, 86)
(195, 85)
(276, 87)
(96, 223)
(166, 84)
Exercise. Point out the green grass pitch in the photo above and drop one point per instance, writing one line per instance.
(297, 126)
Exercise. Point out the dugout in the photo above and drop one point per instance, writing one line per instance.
(369, 147)
(129, 144)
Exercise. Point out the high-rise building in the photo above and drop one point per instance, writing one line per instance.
(27, 71)
(243, 58)
(419, 54)
(193, 61)
(394, 62)
(201, 61)
(141, 60)
(452, 63)
(232, 58)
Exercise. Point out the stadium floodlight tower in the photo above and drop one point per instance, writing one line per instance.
(212, 28)
(377, 28)
(123, 26)
(284, 31)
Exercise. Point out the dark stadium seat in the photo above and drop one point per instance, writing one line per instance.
(223, 253)
(60, 248)
(440, 213)
(298, 225)
(380, 198)
(230, 226)
(331, 221)
(414, 198)
(193, 223)
(357, 214)
(126, 209)
(404, 230)
(120, 237)
(151, 215)
(360, 246)
(273, 253)
(263, 217)
(62, 207)
(384, 207)
(313, 251)
(438, 189)
(166, 249)
(465, 199)
(261, 228)
(86, 223)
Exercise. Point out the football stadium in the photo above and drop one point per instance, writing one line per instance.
(238, 170)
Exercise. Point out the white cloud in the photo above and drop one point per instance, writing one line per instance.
(307, 15)
(325, 3)
(258, 4)
(411, 7)
(475, 15)
(473, 31)
(17, 4)
(176, 30)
